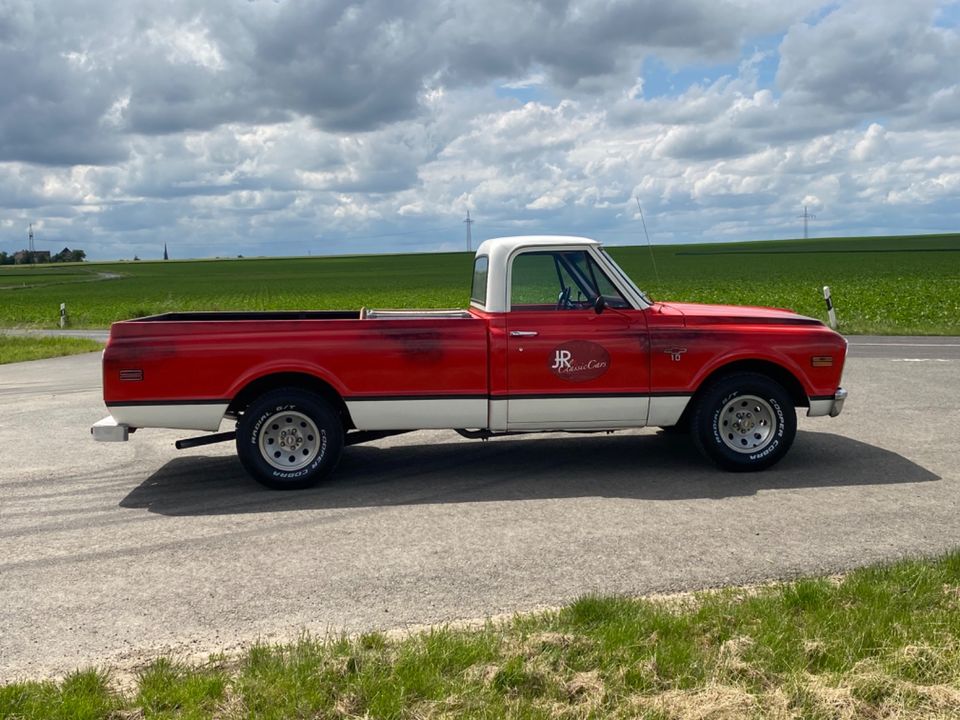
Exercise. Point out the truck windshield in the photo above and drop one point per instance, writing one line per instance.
(625, 278)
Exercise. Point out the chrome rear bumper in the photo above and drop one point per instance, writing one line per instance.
(108, 430)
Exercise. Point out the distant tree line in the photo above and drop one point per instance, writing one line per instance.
(27, 257)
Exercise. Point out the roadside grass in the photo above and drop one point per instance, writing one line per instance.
(881, 642)
(893, 285)
(14, 348)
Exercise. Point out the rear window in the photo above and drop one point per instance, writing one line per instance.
(478, 291)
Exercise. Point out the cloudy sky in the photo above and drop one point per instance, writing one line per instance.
(285, 127)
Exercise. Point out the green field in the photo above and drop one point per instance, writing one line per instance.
(892, 285)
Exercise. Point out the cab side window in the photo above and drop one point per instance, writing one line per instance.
(560, 280)
(537, 281)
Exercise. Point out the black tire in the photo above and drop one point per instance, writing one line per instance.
(749, 412)
(289, 439)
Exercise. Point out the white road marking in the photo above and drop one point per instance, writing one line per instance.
(940, 360)
(904, 345)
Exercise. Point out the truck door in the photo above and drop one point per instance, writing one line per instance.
(568, 366)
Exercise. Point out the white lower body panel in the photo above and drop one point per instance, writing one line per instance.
(416, 414)
(200, 416)
(666, 411)
(500, 415)
(576, 413)
(587, 413)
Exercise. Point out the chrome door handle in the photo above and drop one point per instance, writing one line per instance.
(523, 333)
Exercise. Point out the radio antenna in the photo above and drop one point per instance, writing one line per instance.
(653, 259)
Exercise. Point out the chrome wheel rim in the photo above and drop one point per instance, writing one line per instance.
(289, 441)
(747, 424)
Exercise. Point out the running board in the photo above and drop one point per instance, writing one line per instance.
(356, 437)
(205, 440)
(487, 434)
(352, 438)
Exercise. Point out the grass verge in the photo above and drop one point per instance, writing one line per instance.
(882, 642)
(14, 348)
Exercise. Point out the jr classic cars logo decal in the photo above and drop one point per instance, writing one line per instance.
(579, 360)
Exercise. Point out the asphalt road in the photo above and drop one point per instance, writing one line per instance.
(111, 553)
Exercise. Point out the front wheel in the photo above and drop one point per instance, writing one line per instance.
(744, 422)
(289, 439)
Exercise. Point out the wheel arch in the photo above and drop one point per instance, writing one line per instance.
(773, 370)
(777, 373)
(304, 381)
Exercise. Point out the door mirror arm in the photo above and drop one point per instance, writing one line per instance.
(599, 305)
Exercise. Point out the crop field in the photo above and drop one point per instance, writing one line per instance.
(888, 285)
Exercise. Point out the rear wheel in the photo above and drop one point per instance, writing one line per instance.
(744, 422)
(289, 439)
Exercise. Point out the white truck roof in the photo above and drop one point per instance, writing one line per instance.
(500, 250)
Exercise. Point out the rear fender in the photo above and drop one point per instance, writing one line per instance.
(285, 367)
(269, 376)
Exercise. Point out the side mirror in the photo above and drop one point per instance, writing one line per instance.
(599, 304)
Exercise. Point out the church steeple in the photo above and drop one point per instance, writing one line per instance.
(165, 256)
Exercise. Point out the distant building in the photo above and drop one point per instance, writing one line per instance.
(29, 257)
(165, 256)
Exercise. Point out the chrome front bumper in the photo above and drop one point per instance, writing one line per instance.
(828, 406)
(108, 430)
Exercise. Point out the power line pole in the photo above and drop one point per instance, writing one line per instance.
(30, 238)
(806, 218)
(468, 222)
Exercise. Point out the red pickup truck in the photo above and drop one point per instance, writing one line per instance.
(556, 338)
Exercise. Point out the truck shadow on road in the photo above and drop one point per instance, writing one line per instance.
(636, 466)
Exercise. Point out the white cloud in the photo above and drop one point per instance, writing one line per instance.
(259, 127)
(869, 56)
(526, 83)
(547, 201)
(186, 43)
(873, 145)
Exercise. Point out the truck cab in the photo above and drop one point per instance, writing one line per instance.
(568, 332)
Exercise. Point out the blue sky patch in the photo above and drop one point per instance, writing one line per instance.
(948, 16)
(663, 80)
(660, 80)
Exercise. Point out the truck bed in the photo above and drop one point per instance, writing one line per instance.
(393, 369)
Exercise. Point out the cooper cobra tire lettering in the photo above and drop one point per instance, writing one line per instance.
(311, 439)
(744, 422)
